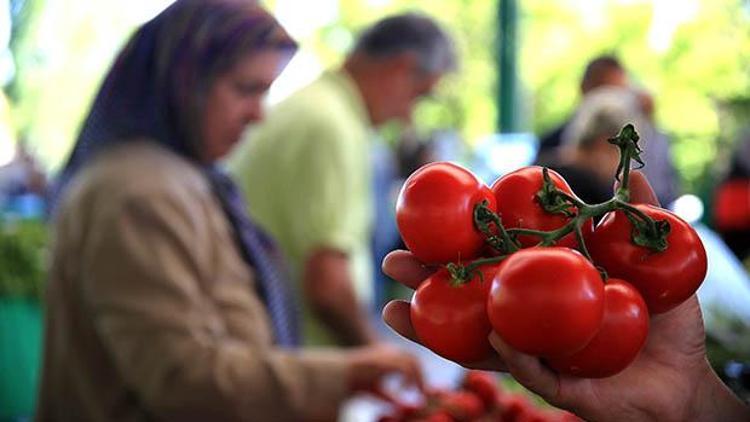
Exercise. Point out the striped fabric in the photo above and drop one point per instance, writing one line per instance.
(261, 252)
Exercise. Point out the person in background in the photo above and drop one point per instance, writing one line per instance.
(605, 70)
(306, 171)
(657, 154)
(586, 160)
(670, 380)
(165, 301)
(22, 176)
(731, 202)
(608, 71)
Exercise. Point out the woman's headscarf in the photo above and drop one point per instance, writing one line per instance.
(158, 84)
(156, 90)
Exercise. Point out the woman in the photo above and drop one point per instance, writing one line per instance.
(165, 302)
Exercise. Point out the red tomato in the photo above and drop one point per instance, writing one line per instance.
(435, 213)
(452, 320)
(546, 301)
(463, 405)
(484, 385)
(519, 207)
(664, 279)
(732, 205)
(439, 416)
(619, 340)
(514, 406)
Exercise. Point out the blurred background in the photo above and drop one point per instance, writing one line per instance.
(520, 66)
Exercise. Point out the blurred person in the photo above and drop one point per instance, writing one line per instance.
(306, 171)
(657, 154)
(731, 202)
(22, 175)
(604, 70)
(587, 161)
(608, 71)
(166, 302)
(670, 380)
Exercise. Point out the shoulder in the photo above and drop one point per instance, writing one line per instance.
(324, 105)
(139, 172)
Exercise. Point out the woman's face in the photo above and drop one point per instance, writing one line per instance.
(236, 99)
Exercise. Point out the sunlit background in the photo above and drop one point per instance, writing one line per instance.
(692, 55)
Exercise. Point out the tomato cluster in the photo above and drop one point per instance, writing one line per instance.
(479, 398)
(523, 259)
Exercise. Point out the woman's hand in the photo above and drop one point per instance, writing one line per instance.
(368, 366)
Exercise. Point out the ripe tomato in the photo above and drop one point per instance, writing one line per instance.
(452, 320)
(435, 213)
(518, 206)
(619, 340)
(484, 385)
(664, 279)
(546, 301)
(513, 406)
(463, 405)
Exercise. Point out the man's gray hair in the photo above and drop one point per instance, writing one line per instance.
(410, 33)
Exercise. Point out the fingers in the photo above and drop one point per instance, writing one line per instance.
(640, 189)
(413, 372)
(403, 267)
(396, 314)
(528, 370)
(385, 395)
(404, 363)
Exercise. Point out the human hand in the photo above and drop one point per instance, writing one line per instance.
(669, 380)
(370, 364)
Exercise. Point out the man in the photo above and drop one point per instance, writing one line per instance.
(586, 160)
(601, 71)
(306, 171)
(607, 72)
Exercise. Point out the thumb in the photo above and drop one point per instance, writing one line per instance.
(640, 190)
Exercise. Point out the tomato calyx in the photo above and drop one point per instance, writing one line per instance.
(647, 232)
(552, 199)
(462, 274)
(501, 241)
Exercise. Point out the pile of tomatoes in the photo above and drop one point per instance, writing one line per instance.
(478, 398)
(581, 301)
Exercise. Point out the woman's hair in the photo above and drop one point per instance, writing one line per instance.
(157, 86)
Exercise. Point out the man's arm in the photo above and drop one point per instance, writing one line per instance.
(329, 290)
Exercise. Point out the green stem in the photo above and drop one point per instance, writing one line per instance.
(482, 217)
(633, 210)
(461, 274)
(581, 242)
(627, 142)
(648, 232)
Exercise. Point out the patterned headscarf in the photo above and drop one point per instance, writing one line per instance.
(157, 85)
(156, 90)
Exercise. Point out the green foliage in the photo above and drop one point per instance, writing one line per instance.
(63, 50)
(22, 259)
(704, 65)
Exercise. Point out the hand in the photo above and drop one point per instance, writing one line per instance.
(369, 364)
(670, 379)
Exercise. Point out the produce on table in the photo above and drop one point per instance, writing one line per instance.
(478, 398)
